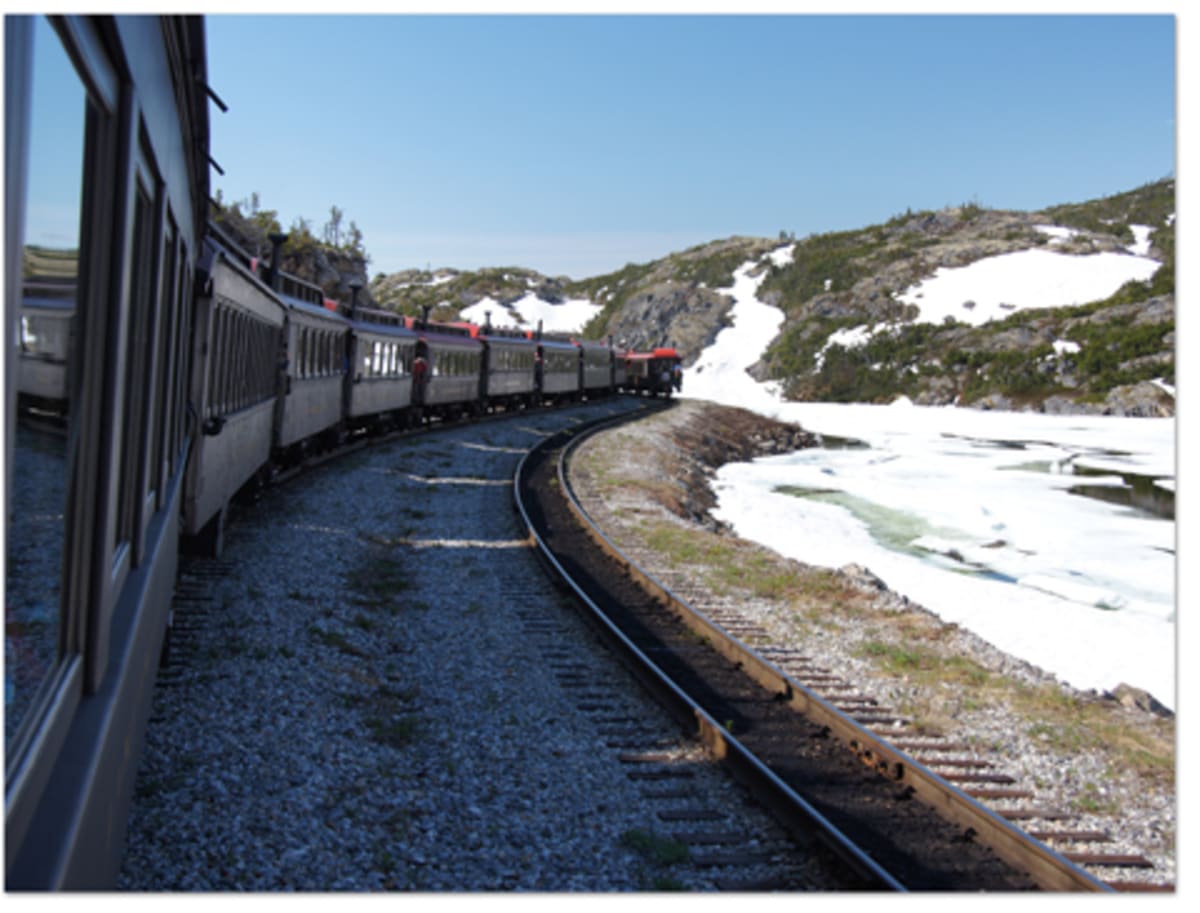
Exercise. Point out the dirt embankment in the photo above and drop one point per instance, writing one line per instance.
(703, 437)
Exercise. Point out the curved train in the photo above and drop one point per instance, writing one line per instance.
(280, 371)
(151, 372)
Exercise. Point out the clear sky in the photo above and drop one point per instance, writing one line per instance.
(576, 144)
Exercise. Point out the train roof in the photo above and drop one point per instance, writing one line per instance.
(443, 334)
(557, 344)
(662, 352)
(322, 311)
(369, 327)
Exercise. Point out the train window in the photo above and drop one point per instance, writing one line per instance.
(183, 332)
(221, 346)
(210, 399)
(240, 361)
(137, 355)
(160, 443)
(36, 525)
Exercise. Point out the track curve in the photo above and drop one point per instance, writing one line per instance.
(897, 824)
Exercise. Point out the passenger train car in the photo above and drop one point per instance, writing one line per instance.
(106, 178)
(178, 372)
(654, 373)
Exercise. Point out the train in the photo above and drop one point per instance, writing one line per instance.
(153, 371)
(279, 371)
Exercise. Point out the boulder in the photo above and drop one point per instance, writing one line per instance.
(1138, 699)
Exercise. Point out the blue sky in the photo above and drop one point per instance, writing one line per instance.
(576, 144)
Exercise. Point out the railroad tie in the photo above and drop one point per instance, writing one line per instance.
(690, 814)
(1141, 887)
(977, 778)
(1024, 814)
(736, 858)
(1072, 836)
(754, 885)
(1122, 860)
(669, 794)
(857, 700)
(918, 746)
(661, 774)
(709, 838)
(985, 793)
(939, 763)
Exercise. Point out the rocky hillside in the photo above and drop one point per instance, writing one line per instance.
(1099, 357)
(447, 292)
(331, 266)
(676, 300)
(1095, 357)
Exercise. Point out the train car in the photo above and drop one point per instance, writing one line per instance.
(620, 376)
(655, 373)
(448, 369)
(596, 367)
(509, 367)
(236, 379)
(47, 318)
(310, 410)
(558, 369)
(380, 386)
(106, 164)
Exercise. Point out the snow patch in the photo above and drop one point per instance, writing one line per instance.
(995, 287)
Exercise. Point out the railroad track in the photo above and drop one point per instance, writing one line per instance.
(905, 815)
(513, 704)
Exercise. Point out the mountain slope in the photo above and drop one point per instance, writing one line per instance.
(856, 317)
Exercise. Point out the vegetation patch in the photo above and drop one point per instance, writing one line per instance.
(377, 582)
(656, 848)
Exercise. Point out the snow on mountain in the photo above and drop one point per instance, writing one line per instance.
(569, 316)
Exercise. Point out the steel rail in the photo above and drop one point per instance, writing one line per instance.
(781, 800)
(1047, 868)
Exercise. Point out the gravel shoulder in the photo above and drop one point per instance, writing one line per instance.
(1111, 764)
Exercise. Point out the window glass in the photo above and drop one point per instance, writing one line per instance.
(160, 444)
(36, 524)
(137, 354)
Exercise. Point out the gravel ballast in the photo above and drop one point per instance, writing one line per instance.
(310, 732)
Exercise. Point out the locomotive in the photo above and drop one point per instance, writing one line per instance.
(153, 371)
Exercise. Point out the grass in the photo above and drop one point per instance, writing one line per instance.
(729, 565)
(1075, 726)
(656, 848)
